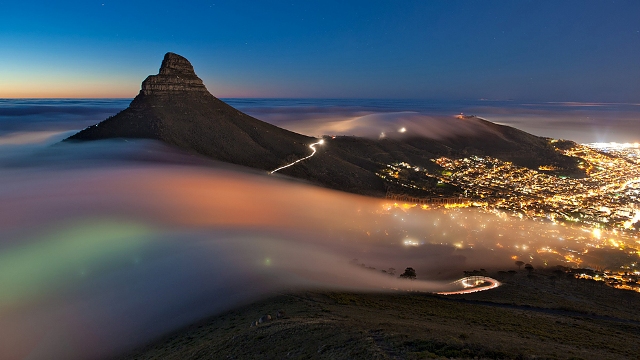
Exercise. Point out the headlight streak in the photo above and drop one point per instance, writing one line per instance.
(312, 146)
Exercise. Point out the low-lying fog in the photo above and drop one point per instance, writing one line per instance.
(106, 245)
(580, 122)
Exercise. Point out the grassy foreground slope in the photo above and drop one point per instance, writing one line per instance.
(539, 318)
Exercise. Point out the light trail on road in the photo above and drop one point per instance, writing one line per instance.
(493, 283)
(312, 146)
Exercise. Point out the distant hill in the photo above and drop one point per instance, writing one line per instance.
(176, 108)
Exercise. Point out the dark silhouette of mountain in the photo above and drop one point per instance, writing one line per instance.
(176, 108)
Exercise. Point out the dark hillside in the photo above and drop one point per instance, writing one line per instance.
(544, 318)
(176, 108)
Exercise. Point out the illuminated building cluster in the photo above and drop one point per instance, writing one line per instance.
(619, 279)
(594, 214)
(607, 197)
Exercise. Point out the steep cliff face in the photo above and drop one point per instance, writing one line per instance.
(176, 75)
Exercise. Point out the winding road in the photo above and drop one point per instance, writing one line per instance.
(467, 282)
(312, 146)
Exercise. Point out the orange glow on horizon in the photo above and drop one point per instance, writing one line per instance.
(117, 88)
(49, 90)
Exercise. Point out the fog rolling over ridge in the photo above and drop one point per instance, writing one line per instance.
(105, 245)
(580, 122)
(101, 253)
(384, 179)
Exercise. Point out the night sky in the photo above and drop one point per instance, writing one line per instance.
(585, 51)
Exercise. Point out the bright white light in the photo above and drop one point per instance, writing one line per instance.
(402, 130)
(409, 242)
(312, 146)
(468, 281)
(636, 218)
(613, 145)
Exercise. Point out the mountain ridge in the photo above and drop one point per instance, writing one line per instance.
(176, 108)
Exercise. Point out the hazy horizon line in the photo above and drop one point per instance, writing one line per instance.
(521, 102)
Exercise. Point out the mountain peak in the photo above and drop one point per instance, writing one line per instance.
(176, 108)
(174, 64)
(176, 75)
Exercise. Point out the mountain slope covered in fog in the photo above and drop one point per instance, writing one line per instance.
(176, 108)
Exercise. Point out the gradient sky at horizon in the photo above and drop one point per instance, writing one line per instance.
(584, 51)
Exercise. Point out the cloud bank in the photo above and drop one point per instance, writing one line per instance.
(101, 253)
(106, 245)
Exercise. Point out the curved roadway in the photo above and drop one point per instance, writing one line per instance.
(312, 146)
(493, 283)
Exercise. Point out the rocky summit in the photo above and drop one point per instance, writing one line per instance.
(176, 75)
(176, 108)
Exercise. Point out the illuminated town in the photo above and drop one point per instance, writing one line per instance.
(600, 211)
